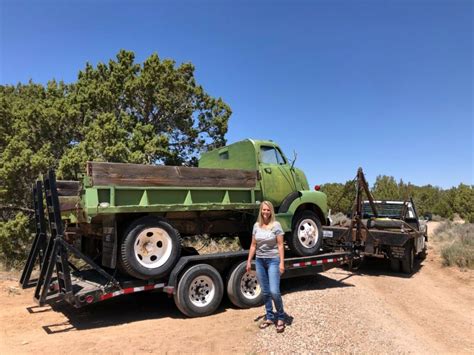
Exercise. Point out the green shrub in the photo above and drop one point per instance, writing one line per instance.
(459, 253)
(15, 240)
(457, 244)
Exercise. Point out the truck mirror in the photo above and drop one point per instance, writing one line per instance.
(294, 159)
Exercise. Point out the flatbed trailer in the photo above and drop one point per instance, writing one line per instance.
(197, 282)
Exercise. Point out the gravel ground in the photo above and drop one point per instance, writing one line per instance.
(326, 319)
(375, 311)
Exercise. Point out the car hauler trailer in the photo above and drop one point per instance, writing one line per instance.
(135, 215)
(197, 282)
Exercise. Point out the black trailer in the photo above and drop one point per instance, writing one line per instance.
(197, 282)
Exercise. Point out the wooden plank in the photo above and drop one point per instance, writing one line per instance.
(68, 188)
(120, 174)
(69, 203)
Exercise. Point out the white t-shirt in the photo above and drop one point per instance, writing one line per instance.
(267, 246)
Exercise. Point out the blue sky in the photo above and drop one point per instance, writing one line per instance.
(386, 85)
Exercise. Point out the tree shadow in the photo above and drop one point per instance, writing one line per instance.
(311, 283)
(116, 311)
(154, 305)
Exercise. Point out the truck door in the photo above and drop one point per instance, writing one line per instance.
(277, 180)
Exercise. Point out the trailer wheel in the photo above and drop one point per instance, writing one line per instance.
(150, 248)
(243, 288)
(199, 291)
(408, 260)
(394, 264)
(307, 235)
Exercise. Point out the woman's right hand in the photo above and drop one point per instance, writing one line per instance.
(249, 266)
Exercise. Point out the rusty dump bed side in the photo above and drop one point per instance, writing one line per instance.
(119, 174)
(69, 194)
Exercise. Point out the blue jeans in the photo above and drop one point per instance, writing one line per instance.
(268, 276)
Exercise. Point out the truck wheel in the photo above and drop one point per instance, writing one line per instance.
(307, 235)
(394, 264)
(423, 253)
(150, 248)
(245, 240)
(408, 260)
(243, 288)
(199, 291)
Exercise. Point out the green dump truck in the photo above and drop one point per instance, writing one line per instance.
(132, 216)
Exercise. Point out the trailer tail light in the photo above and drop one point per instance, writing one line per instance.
(89, 299)
(317, 187)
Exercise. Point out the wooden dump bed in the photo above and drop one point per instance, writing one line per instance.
(119, 174)
(69, 194)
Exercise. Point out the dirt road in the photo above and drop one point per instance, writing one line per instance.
(337, 311)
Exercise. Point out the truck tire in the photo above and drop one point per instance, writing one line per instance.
(200, 291)
(150, 248)
(423, 253)
(243, 288)
(245, 240)
(408, 260)
(307, 234)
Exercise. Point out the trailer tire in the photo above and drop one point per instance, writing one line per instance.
(243, 288)
(200, 291)
(150, 249)
(307, 234)
(394, 264)
(408, 260)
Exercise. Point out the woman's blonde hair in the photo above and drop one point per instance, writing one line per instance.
(272, 211)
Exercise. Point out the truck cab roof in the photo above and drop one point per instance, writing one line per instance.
(244, 154)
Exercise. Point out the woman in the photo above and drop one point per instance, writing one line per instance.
(267, 243)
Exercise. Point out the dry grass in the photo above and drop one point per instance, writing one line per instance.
(207, 245)
(339, 219)
(456, 244)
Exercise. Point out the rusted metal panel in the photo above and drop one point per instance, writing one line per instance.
(68, 188)
(119, 174)
(69, 203)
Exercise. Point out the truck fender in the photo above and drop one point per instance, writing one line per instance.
(285, 205)
(311, 200)
(307, 200)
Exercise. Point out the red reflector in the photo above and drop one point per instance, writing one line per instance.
(90, 299)
(317, 187)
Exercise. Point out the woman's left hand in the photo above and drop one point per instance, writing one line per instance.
(282, 268)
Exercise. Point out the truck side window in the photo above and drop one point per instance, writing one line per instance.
(270, 155)
(280, 158)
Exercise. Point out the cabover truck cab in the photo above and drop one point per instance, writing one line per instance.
(132, 217)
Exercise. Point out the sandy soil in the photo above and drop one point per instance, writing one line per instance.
(431, 311)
